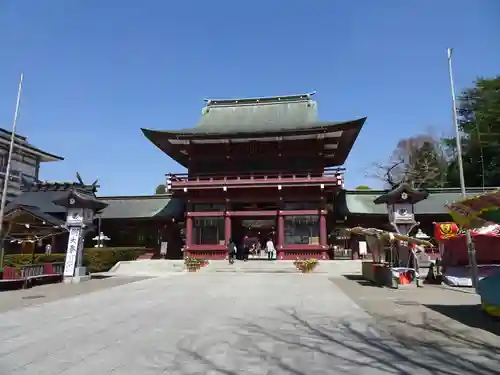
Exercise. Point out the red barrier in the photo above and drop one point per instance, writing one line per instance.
(10, 273)
(48, 269)
(487, 250)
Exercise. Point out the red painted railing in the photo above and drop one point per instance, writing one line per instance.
(329, 177)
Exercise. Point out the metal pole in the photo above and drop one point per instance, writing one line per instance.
(470, 244)
(7, 170)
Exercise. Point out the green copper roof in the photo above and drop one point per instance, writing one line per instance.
(361, 201)
(141, 207)
(256, 115)
(270, 119)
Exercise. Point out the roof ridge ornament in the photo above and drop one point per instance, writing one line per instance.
(260, 100)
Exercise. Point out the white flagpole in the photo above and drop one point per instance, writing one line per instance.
(7, 169)
(470, 244)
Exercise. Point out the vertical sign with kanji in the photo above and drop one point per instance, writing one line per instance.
(71, 254)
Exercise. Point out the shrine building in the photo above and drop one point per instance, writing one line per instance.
(258, 168)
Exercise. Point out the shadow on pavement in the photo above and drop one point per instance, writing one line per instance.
(354, 277)
(470, 315)
(298, 345)
(361, 281)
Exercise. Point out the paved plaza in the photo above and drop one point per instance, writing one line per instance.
(229, 324)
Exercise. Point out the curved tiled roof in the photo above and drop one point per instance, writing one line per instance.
(254, 115)
(139, 207)
(362, 201)
(265, 119)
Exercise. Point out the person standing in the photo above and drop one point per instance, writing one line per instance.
(231, 251)
(271, 251)
(246, 249)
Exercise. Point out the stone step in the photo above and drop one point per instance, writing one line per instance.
(161, 267)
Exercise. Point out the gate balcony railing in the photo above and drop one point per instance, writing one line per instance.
(329, 177)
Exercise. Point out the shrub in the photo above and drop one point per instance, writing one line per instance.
(95, 259)
(101, 260)
(19, 260)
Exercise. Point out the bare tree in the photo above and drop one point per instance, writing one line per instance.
(419, 160)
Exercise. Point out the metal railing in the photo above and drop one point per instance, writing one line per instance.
(35, 270)
(31, 270)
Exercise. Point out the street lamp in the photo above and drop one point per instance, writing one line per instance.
(470, 244)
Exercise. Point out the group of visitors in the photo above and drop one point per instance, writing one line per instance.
(244, 251)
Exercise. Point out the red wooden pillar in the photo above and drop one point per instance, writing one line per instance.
(281, 231)
(323, 237)
(227, 229)
(189, 231)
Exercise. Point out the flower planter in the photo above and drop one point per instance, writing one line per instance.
(306, 265)
(193, 265)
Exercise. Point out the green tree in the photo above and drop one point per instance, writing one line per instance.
(478, 115)
(161, 189)
(363, 187)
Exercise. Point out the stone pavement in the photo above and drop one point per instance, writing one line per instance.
(211, 324)
(433, 322)
(52, 292)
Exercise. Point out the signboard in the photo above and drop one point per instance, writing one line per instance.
(72, 251)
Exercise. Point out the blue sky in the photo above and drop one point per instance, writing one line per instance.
(97, 71)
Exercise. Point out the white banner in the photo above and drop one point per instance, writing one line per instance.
(72, 251)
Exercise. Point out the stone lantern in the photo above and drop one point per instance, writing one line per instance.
(400, 203)
(81, 205)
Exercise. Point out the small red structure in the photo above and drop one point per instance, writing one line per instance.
(265, 165)
(454, 250)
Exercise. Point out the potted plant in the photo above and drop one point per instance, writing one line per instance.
(306, 265)
(192, 264)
